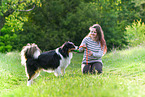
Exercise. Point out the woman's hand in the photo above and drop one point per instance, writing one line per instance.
(90, 53)
(84, 46)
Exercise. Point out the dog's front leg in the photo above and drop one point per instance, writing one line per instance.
(29, 82)
(57, 71)
(62, 71)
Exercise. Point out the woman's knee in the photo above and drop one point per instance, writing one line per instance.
(97, 68)
(84, 69)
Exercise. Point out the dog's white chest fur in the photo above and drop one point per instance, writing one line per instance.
(64, 62)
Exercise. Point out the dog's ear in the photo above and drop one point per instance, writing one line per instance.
(33, 44)
(63, 45)
(28, 44)
(65, 51)
(64, 48)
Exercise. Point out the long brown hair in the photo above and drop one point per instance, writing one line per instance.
(100, 37)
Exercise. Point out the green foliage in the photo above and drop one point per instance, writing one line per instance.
(58, 21)
(115, 16)
(11, 22)
(52, 23)
(17, 4)
(9, 32)
(5, 42)
(63, 20)
(135, 34)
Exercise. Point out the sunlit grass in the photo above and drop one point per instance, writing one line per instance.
(123, 76)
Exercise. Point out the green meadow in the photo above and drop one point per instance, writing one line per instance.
(123, 76)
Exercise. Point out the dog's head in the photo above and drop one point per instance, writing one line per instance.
(68, 47)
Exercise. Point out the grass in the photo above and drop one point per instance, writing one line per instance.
(123, 76)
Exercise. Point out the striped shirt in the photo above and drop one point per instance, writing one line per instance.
(93, 46)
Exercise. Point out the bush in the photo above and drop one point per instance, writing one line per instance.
(7, 40)
(135, 34)
(9, 33)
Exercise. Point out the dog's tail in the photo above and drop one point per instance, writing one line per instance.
(29, 51)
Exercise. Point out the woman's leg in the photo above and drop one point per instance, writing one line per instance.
(97, 68)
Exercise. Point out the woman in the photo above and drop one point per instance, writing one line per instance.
(94, 47)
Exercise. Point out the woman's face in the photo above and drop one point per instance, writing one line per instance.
(93, 32)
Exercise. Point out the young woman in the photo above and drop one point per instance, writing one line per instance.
(94, 47)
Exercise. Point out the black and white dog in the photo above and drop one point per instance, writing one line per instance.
(51, 61)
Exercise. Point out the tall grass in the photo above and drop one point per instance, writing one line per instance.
(123, 76)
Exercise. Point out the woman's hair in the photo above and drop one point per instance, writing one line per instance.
(100, 36)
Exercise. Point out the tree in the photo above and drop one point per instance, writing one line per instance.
(141, 5)
(114, 16)
(11, 22)
(9, 7)
(58, 21)
(52, 23)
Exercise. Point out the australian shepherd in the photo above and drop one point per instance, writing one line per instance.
(51, 61)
